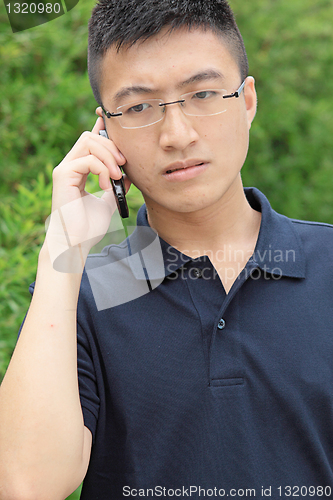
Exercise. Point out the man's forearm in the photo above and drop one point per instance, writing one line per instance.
(41, 423)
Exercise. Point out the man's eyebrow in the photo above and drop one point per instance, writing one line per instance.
(210, 74)
(129, 91)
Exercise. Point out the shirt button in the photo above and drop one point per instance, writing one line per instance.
(197, 273)
(221, 324)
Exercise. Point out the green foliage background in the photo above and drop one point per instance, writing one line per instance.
(46, 103)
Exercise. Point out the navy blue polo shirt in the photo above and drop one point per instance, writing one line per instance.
(192, 392)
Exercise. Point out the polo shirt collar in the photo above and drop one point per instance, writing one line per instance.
(278, 250)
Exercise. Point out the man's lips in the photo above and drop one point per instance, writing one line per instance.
(182, 165)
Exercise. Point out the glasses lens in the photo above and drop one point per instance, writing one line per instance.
(205, 102)
(140, 114)
(200, 103)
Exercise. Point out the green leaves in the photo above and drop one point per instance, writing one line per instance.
(290, 53)
(21, 235)
(46, 98)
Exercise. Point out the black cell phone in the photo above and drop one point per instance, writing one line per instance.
(118, 189)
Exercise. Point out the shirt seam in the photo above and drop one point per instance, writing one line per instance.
(203, 341)
(311, 223)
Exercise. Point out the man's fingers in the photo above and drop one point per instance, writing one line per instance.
(83, 166)
(99, 125)
(104, 149)
(99, 111)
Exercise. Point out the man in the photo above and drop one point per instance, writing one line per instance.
(218, 380)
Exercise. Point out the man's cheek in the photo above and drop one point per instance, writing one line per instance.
(134, 174)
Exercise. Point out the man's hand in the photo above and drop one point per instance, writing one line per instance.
(79, 220)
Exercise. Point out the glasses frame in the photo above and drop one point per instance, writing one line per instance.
(180, 101)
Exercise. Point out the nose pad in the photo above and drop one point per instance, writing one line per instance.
(181, 107)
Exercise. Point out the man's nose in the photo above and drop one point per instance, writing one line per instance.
(177, 131)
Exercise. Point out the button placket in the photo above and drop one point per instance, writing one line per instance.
(225, 361)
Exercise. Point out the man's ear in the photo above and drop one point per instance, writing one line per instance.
(250, 99)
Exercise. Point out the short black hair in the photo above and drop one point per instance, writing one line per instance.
(125, 22)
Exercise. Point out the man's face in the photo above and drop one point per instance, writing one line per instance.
(169, 65)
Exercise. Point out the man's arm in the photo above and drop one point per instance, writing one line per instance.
(44, 449)
(44, 445)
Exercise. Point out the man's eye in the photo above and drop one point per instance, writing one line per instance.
(204, 94)
(138, 108)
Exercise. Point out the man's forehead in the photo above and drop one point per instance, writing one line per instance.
(160, 42)
(179, 59)
(204, 75)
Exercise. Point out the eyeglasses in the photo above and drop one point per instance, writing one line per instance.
(141, 114)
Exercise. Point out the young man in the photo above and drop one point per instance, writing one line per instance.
(218, 380)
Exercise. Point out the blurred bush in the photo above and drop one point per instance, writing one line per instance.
(46, 99)
(290, 49)
(21, 233)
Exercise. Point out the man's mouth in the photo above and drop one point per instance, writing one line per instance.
(184, 166)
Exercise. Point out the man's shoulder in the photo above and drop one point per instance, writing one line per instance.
(317, 243)
(317, 232)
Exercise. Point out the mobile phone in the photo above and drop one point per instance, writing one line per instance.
(118, 189)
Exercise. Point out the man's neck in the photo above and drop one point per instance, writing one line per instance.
(230, 221)
(227, 232)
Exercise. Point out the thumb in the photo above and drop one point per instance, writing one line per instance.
(99, 125)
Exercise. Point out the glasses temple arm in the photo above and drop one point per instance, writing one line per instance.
(110, 115)
(237, 93)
